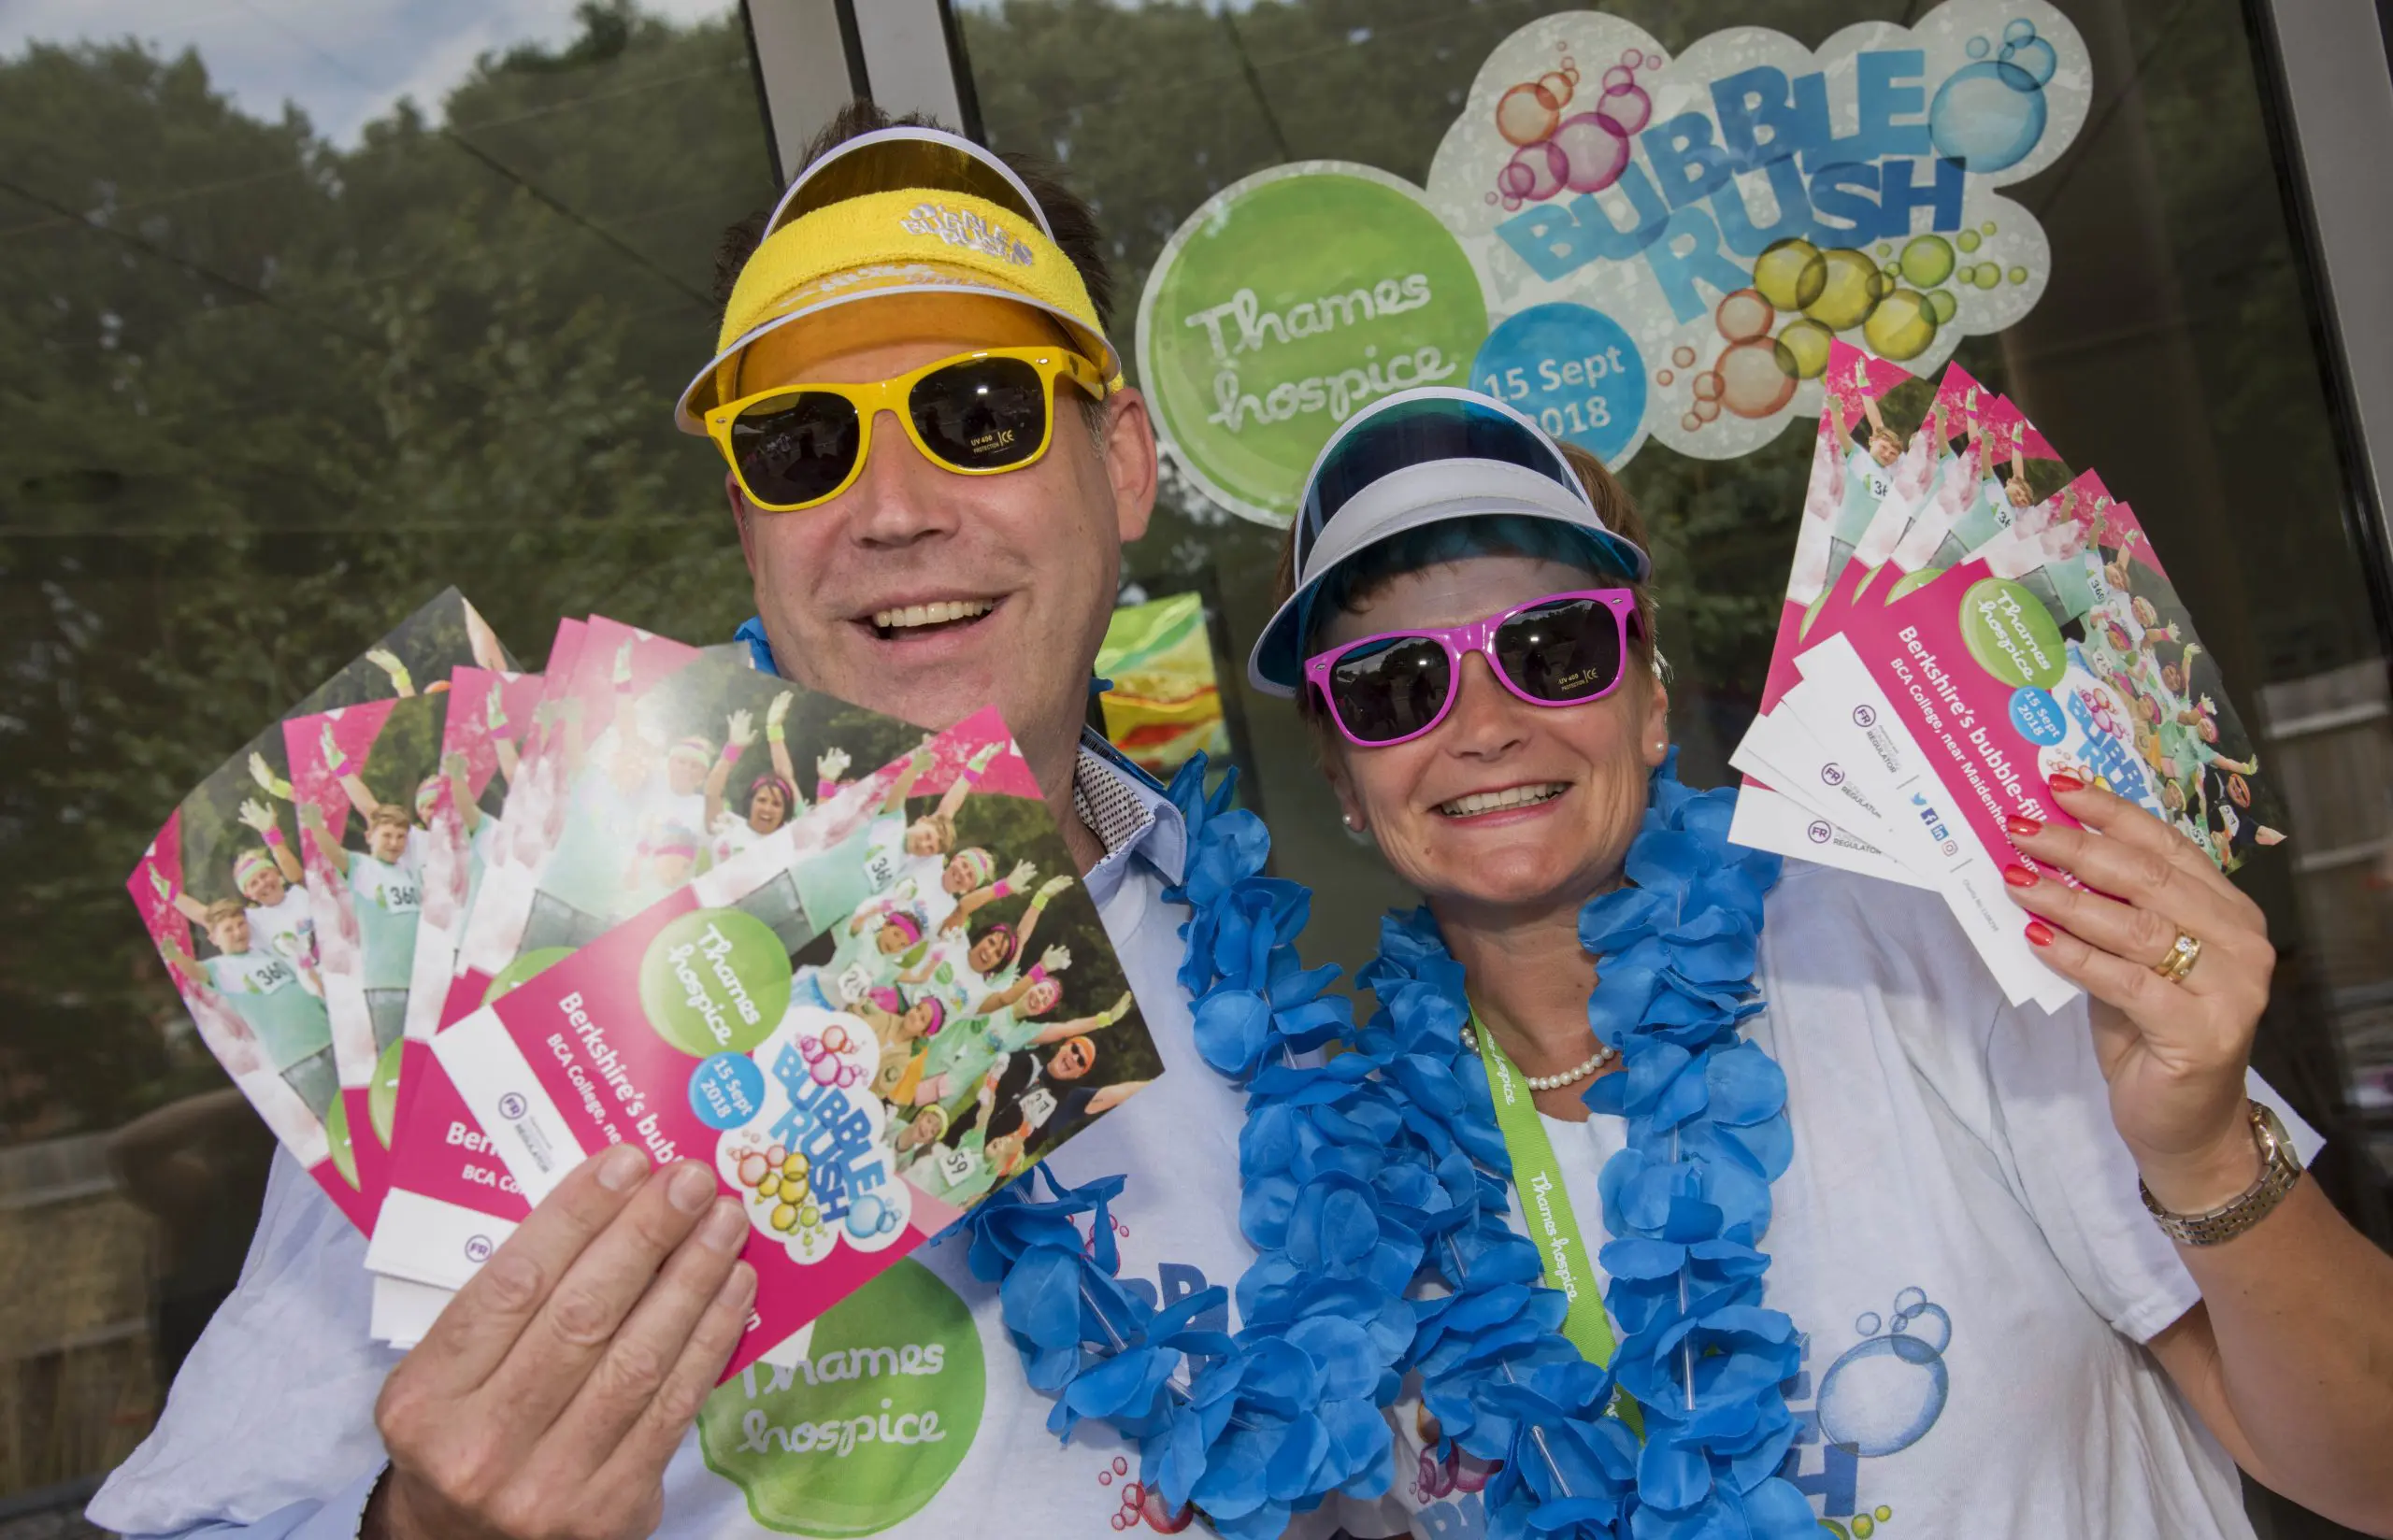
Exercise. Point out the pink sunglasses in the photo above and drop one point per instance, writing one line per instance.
(1563, 649)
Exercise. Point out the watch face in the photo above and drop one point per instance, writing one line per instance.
(2277, 1145)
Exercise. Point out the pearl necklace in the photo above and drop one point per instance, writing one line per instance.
(1595, 1061)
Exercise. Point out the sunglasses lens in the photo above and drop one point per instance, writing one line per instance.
(1386, 691)
(982, 414)
(796, 449)
(1566, 650)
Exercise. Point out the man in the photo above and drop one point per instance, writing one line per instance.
(556, 1394)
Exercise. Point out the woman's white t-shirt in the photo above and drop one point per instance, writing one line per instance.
(1960, 1241)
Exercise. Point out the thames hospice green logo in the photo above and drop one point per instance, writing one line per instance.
(716, 981)
(864, 1429)
(1288, 303)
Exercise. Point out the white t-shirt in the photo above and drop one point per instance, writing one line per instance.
(387, 898)
(288, 930)
(1960, 1241)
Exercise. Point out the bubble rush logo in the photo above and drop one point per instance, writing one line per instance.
(1733, 208)
(863, 1431)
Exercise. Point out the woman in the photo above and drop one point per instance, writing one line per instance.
(1995, 1337)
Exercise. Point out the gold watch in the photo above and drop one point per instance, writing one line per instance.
(2280, 1168)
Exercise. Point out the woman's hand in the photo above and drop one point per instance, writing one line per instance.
(2173, 1053)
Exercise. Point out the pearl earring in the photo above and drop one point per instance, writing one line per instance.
(1353, 822)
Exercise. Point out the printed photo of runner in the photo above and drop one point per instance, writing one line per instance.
(251, 979)
(674, 769)
(2140, 638)
(366, 781)
(959, 932)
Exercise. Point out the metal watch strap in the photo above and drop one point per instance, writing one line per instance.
(2280, 1168)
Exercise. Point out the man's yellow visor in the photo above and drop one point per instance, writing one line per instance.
(910, 241)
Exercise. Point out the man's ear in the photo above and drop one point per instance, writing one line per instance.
(739, 516)
(1130, 461)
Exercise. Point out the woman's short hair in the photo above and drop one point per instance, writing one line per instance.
(1373, 568)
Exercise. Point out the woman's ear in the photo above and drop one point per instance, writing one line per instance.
(1341, 786)
(1656, 726)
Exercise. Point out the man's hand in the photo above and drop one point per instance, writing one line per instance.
(256, 814)
(549, 1396)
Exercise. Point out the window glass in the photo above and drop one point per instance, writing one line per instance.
(310, 313)
(2171, 347)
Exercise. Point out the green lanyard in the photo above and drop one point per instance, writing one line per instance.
(1553, 1227)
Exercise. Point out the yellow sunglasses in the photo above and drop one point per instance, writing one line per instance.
(979, 413)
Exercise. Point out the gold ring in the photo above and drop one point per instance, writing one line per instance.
(2183, 953)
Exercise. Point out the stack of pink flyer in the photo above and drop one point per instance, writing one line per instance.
(1967, 618)
(478, 930)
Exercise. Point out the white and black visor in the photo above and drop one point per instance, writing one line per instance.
(1417, 458)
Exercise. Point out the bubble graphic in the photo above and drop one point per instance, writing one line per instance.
(1757, 377)
(1121, 1465)
(1707, 385)
(2017, 274)
(1882, 1394)
(1527, 113)
(1891, 272)
(1903, 326)
(1536, 171)
(1987, 115)
(1978, 48)
(1807, 343)
(1618, 77)
(1862, 1526)
(1628, 107)
(1105, 1479)
(1942, 304)
(1884, 1513)
(1790, 273)
(1848, 290)
(1511, 204)
(1886, 249)
(864, 1216)
(1986, 275)
(1663, 376)
(1909, 1301)
(1743, 314)
(2019, 31)
(1931, 1326)
(1594, 150)
(1706, 411)
(1683, 357)
(1632, 58)
(1556, 85)
(1690, 423)
(2035, 56)
(1986, 229)
(1867, 1324)
(1927, 261)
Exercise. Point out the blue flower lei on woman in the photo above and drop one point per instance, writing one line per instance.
(1383, 1169)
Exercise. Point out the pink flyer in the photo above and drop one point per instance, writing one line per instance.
(858, 1089)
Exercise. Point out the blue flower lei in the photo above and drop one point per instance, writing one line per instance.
(1382, 1168)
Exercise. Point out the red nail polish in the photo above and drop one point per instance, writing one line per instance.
(2023, 828)
(2019, 876)
(2038, 933)
(2066, 782)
